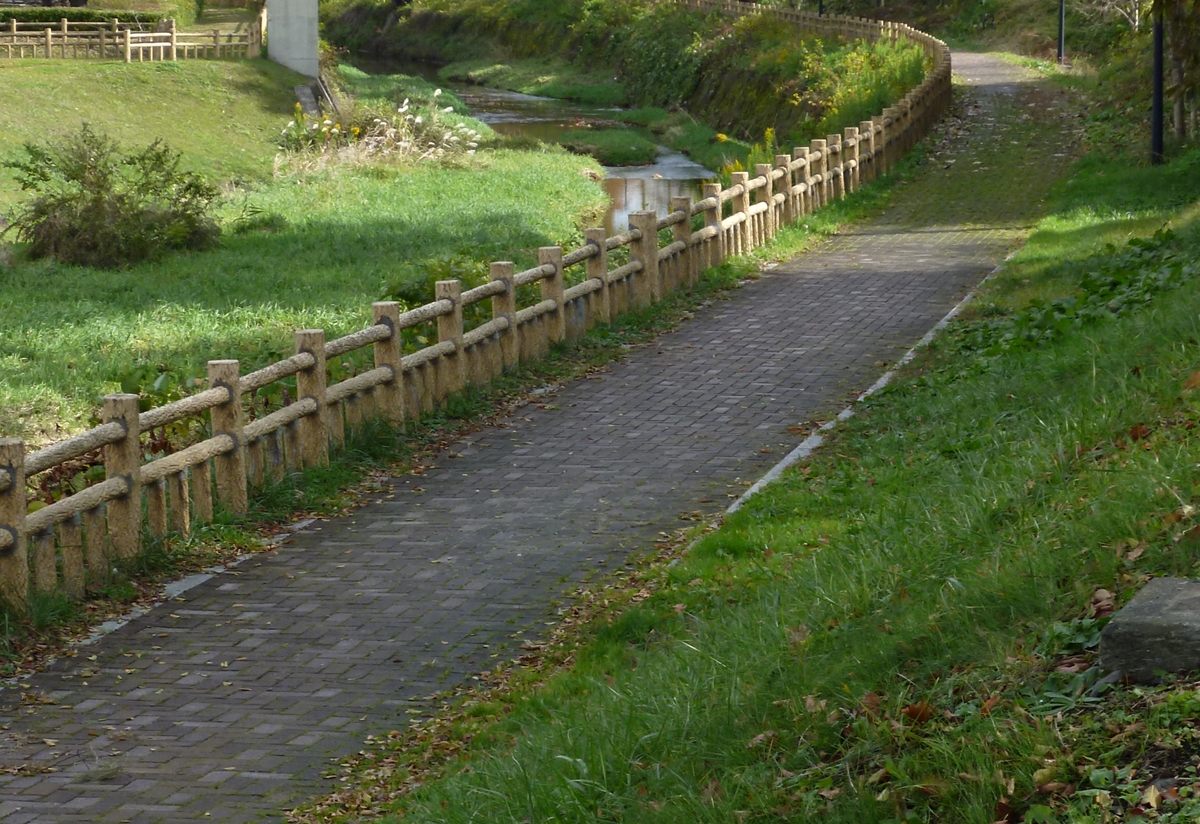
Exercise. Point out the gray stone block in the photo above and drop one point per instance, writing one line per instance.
(1158, 631)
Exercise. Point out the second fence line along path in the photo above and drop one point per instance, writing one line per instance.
(227, 704)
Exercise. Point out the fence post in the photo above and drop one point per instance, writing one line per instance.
(647, 288)
(48, 45)
(452, 373)
(741, 206)
(766, 195)
(889, 139)
(804, 200)
(597, 269)
(850, 160)
(174, 41)
(216, 44)
(128, 46)
(682, 231)
(783, 162)
(552, 289)
(227, 420)
(310, 383)
(820, 176)
(837, 182)
(124, 459)
(712, 217)
(14, 559)
(504, 305)
(389, 397)
(866, 149)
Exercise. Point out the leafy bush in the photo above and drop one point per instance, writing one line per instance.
(96, 205)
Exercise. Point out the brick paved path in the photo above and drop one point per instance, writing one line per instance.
(227, 704)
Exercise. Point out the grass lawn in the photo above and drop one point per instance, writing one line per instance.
(330, 244)
(547, 77)
(223, 115)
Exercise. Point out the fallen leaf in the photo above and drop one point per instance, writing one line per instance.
(798, 635)
(870, 704)
(918, 713)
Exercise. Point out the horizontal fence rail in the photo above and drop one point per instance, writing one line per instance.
(127, 41)
(59, 547)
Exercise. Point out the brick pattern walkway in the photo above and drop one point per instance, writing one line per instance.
(227, 704)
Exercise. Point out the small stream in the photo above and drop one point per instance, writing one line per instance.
(631, 188)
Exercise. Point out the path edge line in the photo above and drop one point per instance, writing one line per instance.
(814, 441)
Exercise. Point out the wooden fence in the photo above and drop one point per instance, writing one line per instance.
(58, 547)
(127, 41)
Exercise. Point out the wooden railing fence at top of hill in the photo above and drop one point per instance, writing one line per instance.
(57, 548)
(127, 41)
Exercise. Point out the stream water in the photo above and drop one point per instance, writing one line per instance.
(631, 188)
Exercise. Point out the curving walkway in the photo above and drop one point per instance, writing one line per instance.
(227, 704)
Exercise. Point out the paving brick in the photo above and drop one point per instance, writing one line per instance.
(343, 628)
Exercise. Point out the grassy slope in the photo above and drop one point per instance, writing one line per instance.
(223, 115)
(348, 237)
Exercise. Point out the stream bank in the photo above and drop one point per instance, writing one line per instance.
(550, 120)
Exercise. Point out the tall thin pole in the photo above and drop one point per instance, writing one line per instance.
(1156, 106)
(1062, 31)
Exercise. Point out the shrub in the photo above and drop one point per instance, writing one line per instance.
(97, 205)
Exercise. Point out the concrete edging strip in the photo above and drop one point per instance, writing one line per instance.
(813, 441)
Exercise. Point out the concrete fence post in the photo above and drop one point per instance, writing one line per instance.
(850, 158)
(804, 199)
(820, 176)
(389, 396)
(766, 194)
(597, 269)
(452, 371)
(123, 459)
(310, 383)
(552, 288)
(227, 420)
(14, 558)
(682, 231)
(712, 219)
(504, 305)
(741, 206)
(837, 183)
(787, 214)
(866, 151)
(645, 250)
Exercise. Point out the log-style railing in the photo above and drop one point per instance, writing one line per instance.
(58, 547)
(127, 41)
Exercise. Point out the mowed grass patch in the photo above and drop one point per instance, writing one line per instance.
(304, 253)
(611, 147)
(223, 115)
(547, 77)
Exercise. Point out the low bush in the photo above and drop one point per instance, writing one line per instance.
(97, 205)
(76, 15)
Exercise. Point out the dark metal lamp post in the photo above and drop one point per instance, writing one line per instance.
(1156, 106)
(1062, 31)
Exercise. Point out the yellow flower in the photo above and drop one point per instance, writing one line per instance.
(721, 138)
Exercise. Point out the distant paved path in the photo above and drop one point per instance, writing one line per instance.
(227, 705)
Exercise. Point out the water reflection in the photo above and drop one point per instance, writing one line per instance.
(632, 188)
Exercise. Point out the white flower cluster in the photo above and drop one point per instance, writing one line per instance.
(403, 136)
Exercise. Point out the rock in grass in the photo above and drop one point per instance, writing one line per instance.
(1157, 632)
